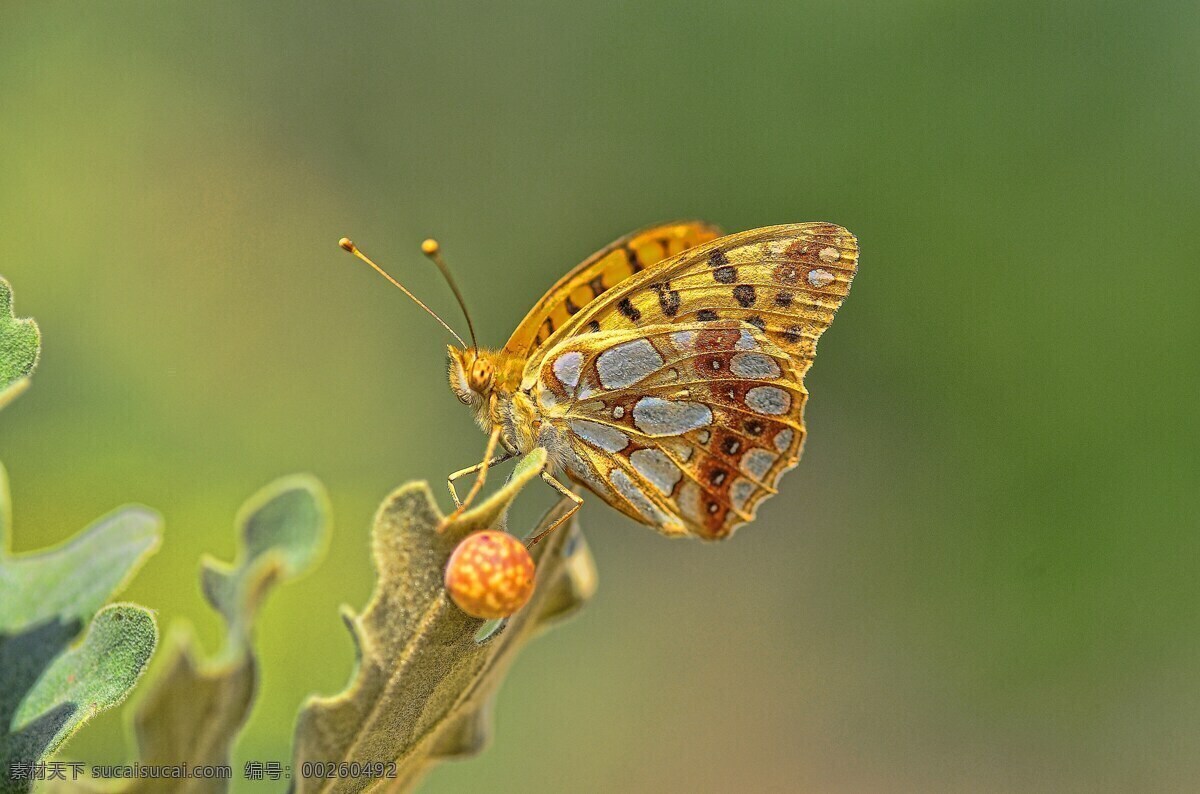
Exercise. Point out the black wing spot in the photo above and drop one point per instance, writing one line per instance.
(593, 327)
(717, 476)
(757, 322)
(783, 299)
(668, 299)
(744, 294)
(627, 308)
(597, 286)
(706, 315)
(726, 274)
(717, 258)
(794, 333)
(754, 427)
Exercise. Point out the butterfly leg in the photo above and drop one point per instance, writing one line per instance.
(564, 491)
(471, 470)
(482, 468)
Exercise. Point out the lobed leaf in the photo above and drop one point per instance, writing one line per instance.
(194, 709)
(426, 673)
(48, 689)
(86, 680)
(20, 344)
(283, 531)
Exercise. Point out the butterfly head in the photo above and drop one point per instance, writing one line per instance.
(472, 374)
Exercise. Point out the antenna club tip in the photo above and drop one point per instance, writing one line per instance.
(346, 244)
(430, 247)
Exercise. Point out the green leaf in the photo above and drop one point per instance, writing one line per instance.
(195, 708)
(76, 578)
(426, 673)
(19, 347)
(95, 676)
(47, 689)
(283, 531)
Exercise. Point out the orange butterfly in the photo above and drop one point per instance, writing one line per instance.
(665, 373)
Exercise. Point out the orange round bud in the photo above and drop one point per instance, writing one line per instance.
(490, 574)
(430, 246)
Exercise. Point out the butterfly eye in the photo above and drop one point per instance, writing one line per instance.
(482, 375)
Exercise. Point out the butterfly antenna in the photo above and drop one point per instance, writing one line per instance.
(348, 245)
(432, 250)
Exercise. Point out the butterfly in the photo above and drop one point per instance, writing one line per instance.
(665, 373)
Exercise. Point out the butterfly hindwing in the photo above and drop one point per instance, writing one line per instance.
(680, 392)
(684, 427)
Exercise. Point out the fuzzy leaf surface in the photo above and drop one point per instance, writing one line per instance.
(20, 344)
(48, 688)
(85, 680)
(426, 675)
(195, 708)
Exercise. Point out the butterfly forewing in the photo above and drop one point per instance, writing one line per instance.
(786, 280)
(613, 264)
(680, 390)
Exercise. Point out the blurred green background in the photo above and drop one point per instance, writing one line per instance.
(982, 577)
